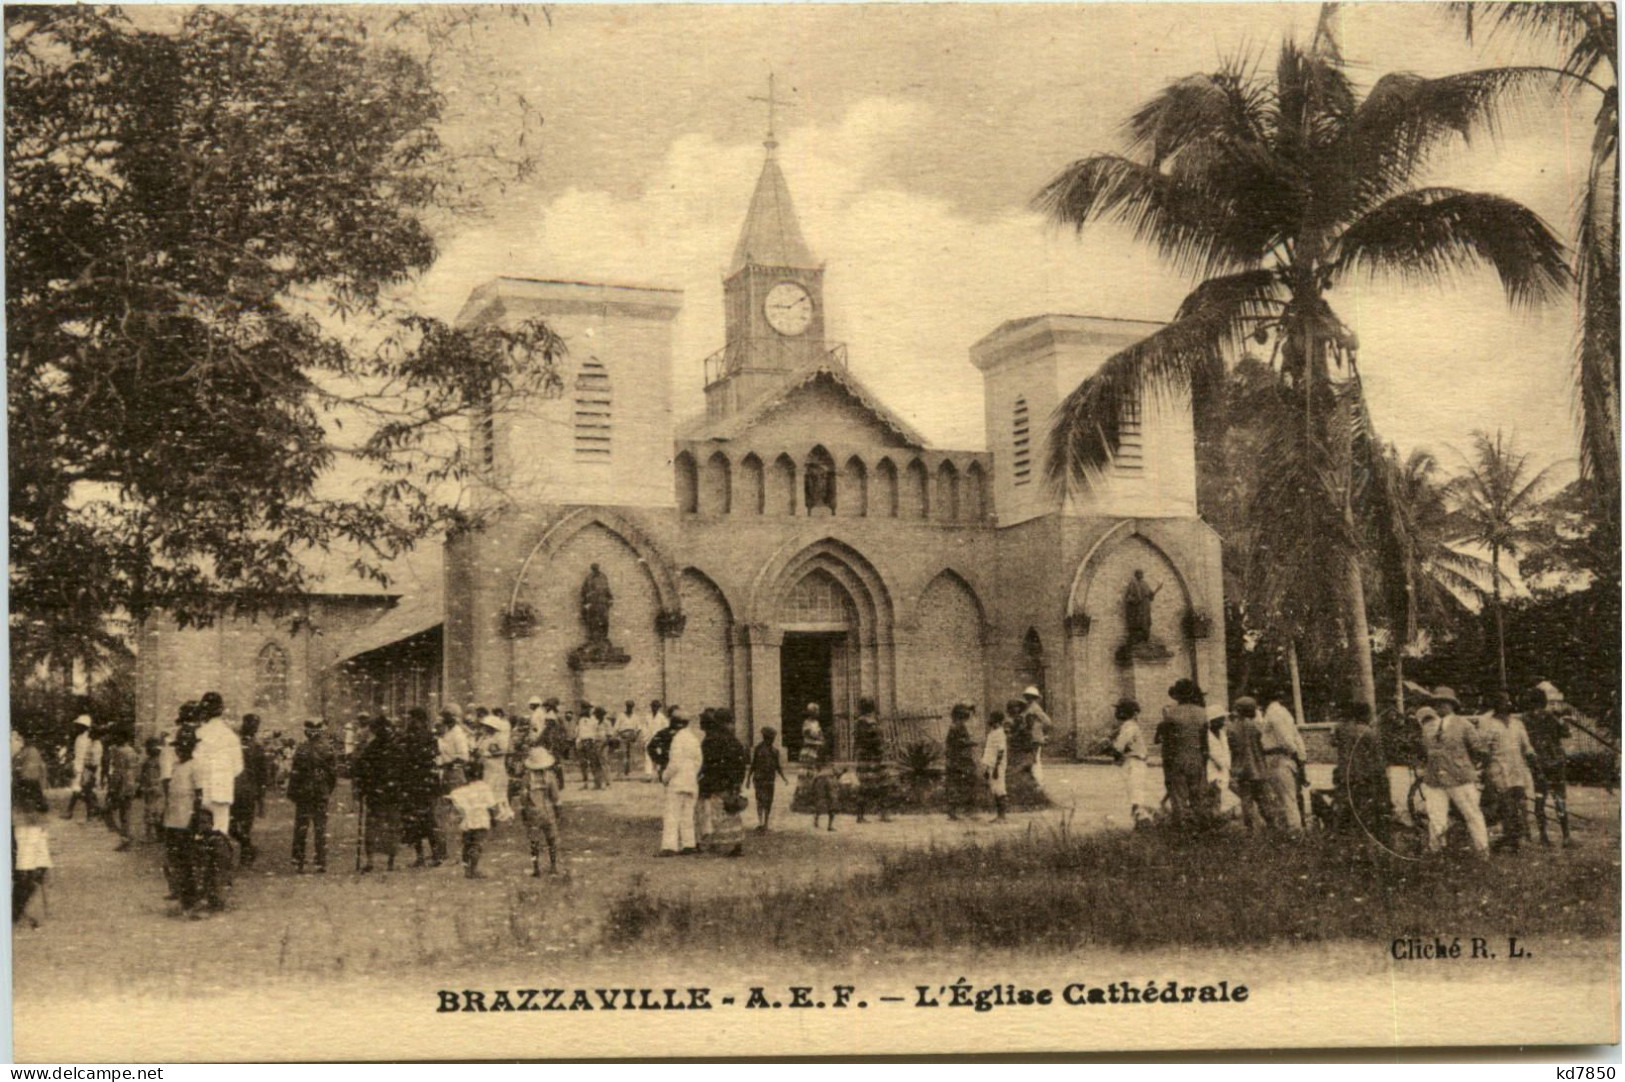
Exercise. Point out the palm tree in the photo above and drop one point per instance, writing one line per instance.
(1498, 507)
(1426, 579)
(1276, 192)
(1588, 35)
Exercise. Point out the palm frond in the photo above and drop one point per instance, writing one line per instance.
(1427, 234)
(1224, 107)
(1405, 118)
(1187, 221)
(1188, 351)
(1586, 31)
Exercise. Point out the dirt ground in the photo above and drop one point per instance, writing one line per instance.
(388, 939)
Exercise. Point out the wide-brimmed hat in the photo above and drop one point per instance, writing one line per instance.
(1032, 692)
(1245, 705)
(313, 726)
(1442, 694)
(534, 701)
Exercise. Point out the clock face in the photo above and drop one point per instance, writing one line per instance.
(789, 308)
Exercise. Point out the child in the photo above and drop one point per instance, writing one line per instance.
(996, 762)
(766, 766)
(473, 803)
(539, 808)
(180, 810)
(150, 788)
(123, 767)
(817, 757)
(1128, 747)
(30, 843)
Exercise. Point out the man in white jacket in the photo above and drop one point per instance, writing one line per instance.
(219, 759)
(682, 780)
(87, 761)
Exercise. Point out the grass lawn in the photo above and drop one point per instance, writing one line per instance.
(917, 884)
(1055, 890)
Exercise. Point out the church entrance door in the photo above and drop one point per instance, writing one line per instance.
(808, 664)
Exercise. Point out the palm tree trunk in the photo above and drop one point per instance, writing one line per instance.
(1404, 639)
(1399, 680)
(1297, 684)
(1365, 689)
(1500, 629)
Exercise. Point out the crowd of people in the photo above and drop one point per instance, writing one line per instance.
(1247, 761)
(199, 786)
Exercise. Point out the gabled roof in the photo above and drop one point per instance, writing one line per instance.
(728, 428)
(771, 236)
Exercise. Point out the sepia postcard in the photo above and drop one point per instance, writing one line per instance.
(755, 531)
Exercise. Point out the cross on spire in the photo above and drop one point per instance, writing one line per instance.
(773, 102)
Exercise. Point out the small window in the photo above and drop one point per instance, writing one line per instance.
(592, 412)
(271, 677)
(1021, 443)
(1130, 437)
(487, 438)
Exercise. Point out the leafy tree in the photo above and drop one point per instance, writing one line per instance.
(1567, 547)
(1587, 34)
(1498, 500)
(206, 213)
(1276, 191)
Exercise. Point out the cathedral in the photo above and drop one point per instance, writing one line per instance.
(798, 542)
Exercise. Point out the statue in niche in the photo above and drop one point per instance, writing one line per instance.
(1137, 600)
(596, 600)
(819, 485)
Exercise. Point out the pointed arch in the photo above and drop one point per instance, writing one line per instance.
(973, 502)
(716, 485)
(781, 487)
(1079, 598)
(952, 629)
(914, 501)
(649, 555)
(794, 559)
(705, 650)
(1034, 669)
(853, 487)
(688, 484)
(752, 486)
(271, 677)
(885, 495)
(946, 503)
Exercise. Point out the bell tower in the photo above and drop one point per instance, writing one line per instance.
(773, 295)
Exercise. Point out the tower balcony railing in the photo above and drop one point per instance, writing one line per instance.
(727, 360)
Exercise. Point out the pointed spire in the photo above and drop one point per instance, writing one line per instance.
(772, 235)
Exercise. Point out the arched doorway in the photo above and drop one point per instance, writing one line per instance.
(823, 623)
(816, 656)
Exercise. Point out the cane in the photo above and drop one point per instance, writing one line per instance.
(360, 827)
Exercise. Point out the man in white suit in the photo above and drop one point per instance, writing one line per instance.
(681, 777)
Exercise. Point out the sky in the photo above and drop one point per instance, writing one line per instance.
(917, 137)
